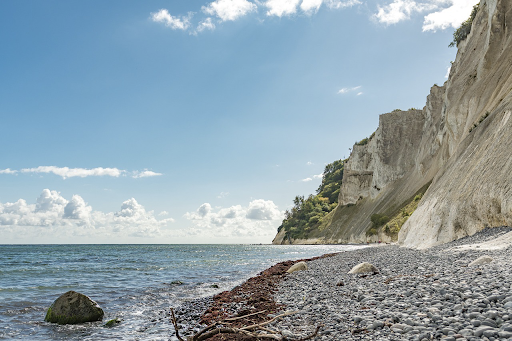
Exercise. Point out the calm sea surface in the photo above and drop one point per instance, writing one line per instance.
(131, 282)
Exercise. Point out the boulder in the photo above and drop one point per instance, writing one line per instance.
(480, 261)
(72, 308)
(363, 268)
(297, 267)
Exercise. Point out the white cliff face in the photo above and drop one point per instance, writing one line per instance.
(472, 188)
(470, 167)
(387, 156)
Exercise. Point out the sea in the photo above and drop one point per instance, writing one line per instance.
(133, 283)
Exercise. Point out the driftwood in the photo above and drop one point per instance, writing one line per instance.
(257, 331)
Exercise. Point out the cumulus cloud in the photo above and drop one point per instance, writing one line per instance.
(400, 10)
(452, 16)
(263, 210)
(259, 219)
(145, 174)
(442, 14)
(311, 6)
(66, 172)
(337, 4)
(343, 91)
(281, 7)
(53, 215)
(76, 208)
(8, 171)
(206, 24)
(229, 10)
(176, 23)
(317, 176)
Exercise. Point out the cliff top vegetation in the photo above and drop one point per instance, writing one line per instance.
(308, 212)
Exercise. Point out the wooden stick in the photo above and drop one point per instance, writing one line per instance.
(175, 325)
(269, 321)
(241, 317)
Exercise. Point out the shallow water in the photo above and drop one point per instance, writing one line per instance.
(130, 282)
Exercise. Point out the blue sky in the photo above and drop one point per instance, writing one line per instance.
(196, 121)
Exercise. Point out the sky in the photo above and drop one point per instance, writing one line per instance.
(196, 121)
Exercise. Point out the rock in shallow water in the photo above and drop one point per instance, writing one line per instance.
(73, 308)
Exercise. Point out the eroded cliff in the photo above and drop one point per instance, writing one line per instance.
(460, 142)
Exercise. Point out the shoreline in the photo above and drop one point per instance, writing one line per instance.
(417, 295)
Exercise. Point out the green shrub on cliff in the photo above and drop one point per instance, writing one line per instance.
(308, 212)
(465, 28)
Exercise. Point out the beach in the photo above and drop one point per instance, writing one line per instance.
(415, 295)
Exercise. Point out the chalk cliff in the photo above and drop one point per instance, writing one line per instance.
(460, 144)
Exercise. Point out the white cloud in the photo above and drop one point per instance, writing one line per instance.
(347, 90)
(176, 23)
(400, 10)
(309, 163)
(145, 174)
(337, 4)
(359, 93)
(452, 16)
(317, 176)
(52, 216)
(229, 10)
(222, 195)
(66, 172)
(50, 201)
(263, 210)
(311, 6)
(163, 213)
(8, 171)
(77, 209)
(206, 24)
(281, 7)
(442, 14)
(204, 210)
(259, 219)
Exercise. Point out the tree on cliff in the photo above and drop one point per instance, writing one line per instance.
(465, 28)
(307, 213)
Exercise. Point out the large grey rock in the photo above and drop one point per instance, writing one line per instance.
(72, 308)
(363, 268)
(481, 260)
(297, 267)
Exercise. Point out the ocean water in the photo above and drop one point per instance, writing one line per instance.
(130, 282)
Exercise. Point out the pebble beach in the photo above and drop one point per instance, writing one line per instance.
(427, 294)
(416, 295)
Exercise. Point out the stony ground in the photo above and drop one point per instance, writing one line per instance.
(417, 295)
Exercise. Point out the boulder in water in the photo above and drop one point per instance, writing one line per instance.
(72, 308)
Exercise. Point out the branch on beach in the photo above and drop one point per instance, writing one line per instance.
(257, 331)
(175, 323)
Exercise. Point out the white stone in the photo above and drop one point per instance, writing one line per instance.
(297, 267)
(363, 268)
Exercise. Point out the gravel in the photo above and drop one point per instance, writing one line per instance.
(416, 295)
